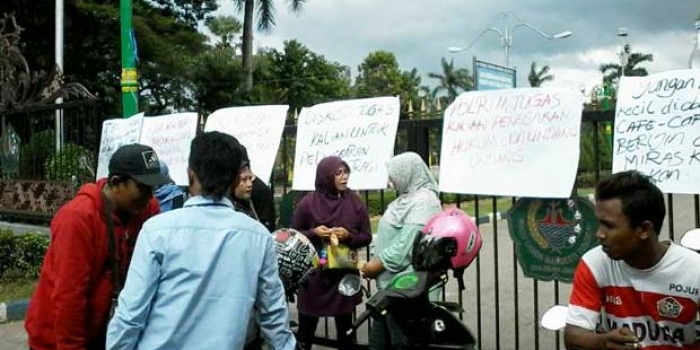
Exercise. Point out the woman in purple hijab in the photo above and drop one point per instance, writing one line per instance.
(331, 210)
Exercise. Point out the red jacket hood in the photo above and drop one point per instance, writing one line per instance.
(71, 302)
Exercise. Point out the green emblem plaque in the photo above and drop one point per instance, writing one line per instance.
(551, 235)
(9, 152)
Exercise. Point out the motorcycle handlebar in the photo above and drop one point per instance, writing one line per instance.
(358, 321)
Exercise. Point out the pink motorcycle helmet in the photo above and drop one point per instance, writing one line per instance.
(458, 225)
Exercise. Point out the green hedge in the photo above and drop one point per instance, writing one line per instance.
(71, 160)
(374, 200)
(21, 255)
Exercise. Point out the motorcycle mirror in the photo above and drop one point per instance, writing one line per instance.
(691, 239)
(350, 285)
(555, 318)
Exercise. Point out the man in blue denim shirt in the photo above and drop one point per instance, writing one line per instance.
(198, 271)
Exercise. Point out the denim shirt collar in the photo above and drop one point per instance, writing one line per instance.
(201, 200)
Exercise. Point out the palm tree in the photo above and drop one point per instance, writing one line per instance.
(410, 88)
(266, 20)
(538, 77)
(612, 71)
(225, 28)
(452, 80)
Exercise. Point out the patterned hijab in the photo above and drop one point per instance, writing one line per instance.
(417, 201)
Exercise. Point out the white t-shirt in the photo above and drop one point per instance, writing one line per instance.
(659, 304)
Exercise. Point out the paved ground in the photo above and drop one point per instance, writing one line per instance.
(499, 325)
(12, 336)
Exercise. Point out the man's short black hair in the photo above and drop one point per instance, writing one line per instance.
(641, 199)
(216, 159)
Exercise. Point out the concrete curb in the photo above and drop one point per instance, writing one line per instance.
(20, 228)
(13, 310)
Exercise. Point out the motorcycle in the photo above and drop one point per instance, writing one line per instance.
(424, 324)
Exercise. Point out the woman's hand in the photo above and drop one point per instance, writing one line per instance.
(371, 269)
(341, 233)
(322, 231)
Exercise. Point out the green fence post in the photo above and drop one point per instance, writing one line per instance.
(129, 77)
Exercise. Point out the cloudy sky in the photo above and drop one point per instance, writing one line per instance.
(418, 32)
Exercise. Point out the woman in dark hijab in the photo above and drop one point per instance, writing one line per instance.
(329, 213)
(252, 196)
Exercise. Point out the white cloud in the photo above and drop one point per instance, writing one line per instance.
(418, 32)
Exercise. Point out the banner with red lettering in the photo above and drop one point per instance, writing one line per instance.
(657, 129)
(512, 142)
(362, 132)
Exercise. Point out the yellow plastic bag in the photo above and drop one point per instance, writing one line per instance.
(341, 257)
(335, 255)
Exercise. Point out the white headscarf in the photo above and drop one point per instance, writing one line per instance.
(417, 189)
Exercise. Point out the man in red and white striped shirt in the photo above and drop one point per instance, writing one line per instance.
(633, 291)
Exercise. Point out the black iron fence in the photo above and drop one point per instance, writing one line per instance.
(36, 179)
(501, 306)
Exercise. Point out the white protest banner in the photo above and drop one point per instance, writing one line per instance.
(512, 142)
(657, 129)
(116, 133)
(258, 128)
(361, 132)
(170, 136)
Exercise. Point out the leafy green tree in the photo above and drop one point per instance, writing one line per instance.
(303, 77)
(217, 79)
(410, 89)
(453, 80)
(612, 71)
(431, 99)
(189, 12)
(226, 28)
(266, 21)
(165, 30)
(379, 75)
(165, 46)
(537, 77)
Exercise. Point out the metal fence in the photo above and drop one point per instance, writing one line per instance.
(501, 306)
(35, 179)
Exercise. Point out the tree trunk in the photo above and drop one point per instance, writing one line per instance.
(248, 44)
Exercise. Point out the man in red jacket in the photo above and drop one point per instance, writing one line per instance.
(70, 306)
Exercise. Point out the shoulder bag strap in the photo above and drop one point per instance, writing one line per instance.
(113, 258)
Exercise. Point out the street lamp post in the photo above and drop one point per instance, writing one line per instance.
(506, 35)
(694, 59)
(622, 33)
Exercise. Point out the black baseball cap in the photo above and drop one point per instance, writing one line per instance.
(139, 162)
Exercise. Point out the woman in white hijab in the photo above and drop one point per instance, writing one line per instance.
(404, 218)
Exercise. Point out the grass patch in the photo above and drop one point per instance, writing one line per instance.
(467, 203)
(374, 222)
(485, 205)
(16, 289)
